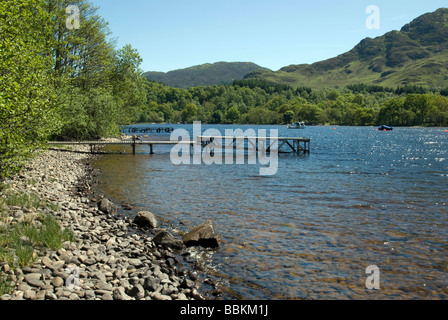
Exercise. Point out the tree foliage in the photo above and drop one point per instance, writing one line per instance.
(62, 83)
(254, 101)
(99, 86)
(57, 82)
(27, 108)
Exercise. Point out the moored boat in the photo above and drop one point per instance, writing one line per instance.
(297, 125)
(385, 128)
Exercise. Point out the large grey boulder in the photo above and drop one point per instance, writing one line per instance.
(107, 206)
(166, 240)
(202, 235)
(146, 219)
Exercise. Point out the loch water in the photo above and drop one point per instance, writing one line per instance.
(361, 198)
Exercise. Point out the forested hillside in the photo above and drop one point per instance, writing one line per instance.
(415, 55)
(255, 101)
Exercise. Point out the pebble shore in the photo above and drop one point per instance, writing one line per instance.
(109, 260)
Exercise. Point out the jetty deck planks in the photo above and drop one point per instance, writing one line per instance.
(296, 145)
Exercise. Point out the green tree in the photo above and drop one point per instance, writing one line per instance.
(333, 95)
(440, 103)
(82, 56)
(417, 103)
(27, 104)
(348, 117)
(166, 110)
(275, 102)
(128, 83)
(310, 113)
(359, 99)
(393, 113)
(102, 84)
(363, 116)
(233, 114)
(332, 115)
(217, 116)
(189, 112)
(261, 115)
(288, 116)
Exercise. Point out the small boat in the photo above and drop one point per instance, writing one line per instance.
(297, 125)
(385, 128)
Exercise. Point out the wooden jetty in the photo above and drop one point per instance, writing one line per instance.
(134, 142)
(296, 145)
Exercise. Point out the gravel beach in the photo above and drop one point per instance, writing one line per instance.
(111, 259)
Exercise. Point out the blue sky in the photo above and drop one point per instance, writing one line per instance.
(174, 34)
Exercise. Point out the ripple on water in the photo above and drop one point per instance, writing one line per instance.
(309, 232)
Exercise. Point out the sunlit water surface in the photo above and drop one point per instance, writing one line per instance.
(362, 197)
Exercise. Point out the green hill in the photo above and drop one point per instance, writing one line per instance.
(415, 55)
(204, 75)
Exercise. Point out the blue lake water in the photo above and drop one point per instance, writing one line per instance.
(361, 197)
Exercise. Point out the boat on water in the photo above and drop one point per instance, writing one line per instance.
(297, 125)
(385, 128)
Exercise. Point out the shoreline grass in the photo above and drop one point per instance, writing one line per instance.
(24, 200)
(6, 284)
(21, 240)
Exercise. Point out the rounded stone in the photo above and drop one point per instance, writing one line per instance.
(57, 282)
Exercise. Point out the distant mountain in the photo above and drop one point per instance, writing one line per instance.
(205, 74)
(415, 55)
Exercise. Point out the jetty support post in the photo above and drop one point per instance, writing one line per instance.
(133, 144)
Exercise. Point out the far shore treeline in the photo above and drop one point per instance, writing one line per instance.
(72, 84)
(256, 101)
